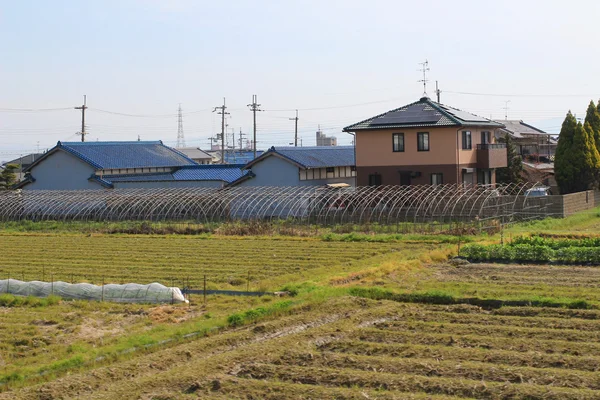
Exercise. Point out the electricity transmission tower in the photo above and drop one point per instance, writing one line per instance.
(180, 138)
(296, 129)
(254, 107)
(83, 108)
(222, 112)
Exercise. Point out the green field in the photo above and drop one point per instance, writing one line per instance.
(386, 319)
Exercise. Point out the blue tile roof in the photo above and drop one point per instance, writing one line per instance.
(217, 172)
(313, 157)
(115, 155)
(214, 172)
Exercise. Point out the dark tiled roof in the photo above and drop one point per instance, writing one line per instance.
(517, 128)
(115, 155)
(312, 157)
(422, 113)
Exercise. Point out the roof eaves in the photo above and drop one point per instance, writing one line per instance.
(79, 155)
(101, 181)
(241, 179)
(273, 152)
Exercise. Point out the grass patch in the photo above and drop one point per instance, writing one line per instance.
(9, 300)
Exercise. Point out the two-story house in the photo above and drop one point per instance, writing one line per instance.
(426, 142)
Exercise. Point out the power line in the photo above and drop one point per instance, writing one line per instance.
(33, 109)
(520, 95)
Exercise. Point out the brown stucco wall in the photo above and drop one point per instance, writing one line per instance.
(390, 175)
(374, 148)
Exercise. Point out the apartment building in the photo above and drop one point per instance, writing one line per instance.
(426, 142)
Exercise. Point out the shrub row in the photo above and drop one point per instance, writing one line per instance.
(531, 253)
(556, 243)
(440, 297)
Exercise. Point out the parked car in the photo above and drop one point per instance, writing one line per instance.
(538, 191)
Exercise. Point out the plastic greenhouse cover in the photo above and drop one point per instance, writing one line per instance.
(126, 293)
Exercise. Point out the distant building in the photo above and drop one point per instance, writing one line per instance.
(426, 142)
(95, 165)
(529, 141)
(324, 140)
(23, 163)
(301, 166)
(196, 154)
(235, 156)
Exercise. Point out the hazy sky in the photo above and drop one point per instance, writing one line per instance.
(337, 61)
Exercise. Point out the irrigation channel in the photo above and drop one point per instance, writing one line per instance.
(412, 208)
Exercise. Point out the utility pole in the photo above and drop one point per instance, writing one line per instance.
(83, 108)
(241, 139)
(254, 107)
(222, 112)
(180, 138)
(296, 129)
(506, 109)
(437, 91)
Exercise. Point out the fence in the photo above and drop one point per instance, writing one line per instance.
(406, 206)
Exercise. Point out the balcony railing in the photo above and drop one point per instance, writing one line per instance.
(491, 155)
(490, 146)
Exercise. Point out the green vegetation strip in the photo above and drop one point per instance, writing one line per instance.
(439, 297)
(537, 249)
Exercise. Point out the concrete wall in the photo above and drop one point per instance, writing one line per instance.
(273, 171)
(62, 171)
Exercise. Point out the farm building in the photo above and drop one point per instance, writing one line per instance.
(301, 166)
(96, 165)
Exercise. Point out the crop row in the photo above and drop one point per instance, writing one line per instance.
(556, 243)
(531, 253)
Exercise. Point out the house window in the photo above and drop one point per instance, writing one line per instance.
(330, 170)
(484, 176)
(467, 143)
(398, 142)
(423, 141)
(374, 180)
(437, 179)
(485, 137)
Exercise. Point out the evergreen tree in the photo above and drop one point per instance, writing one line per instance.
(8, 177)
(564, 170)
(585, 158)
(513, 172)
(592, 117)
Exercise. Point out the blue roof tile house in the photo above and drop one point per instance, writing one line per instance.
(148, 164)
(301, 166)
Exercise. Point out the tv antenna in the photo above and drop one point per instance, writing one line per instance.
(424, 69)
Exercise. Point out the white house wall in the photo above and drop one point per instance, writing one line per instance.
(62, 171)
(274, 171)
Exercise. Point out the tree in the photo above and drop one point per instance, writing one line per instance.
(564, 169)
(8, 177)
(513, 172)
(592, 117)
(586, 158)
